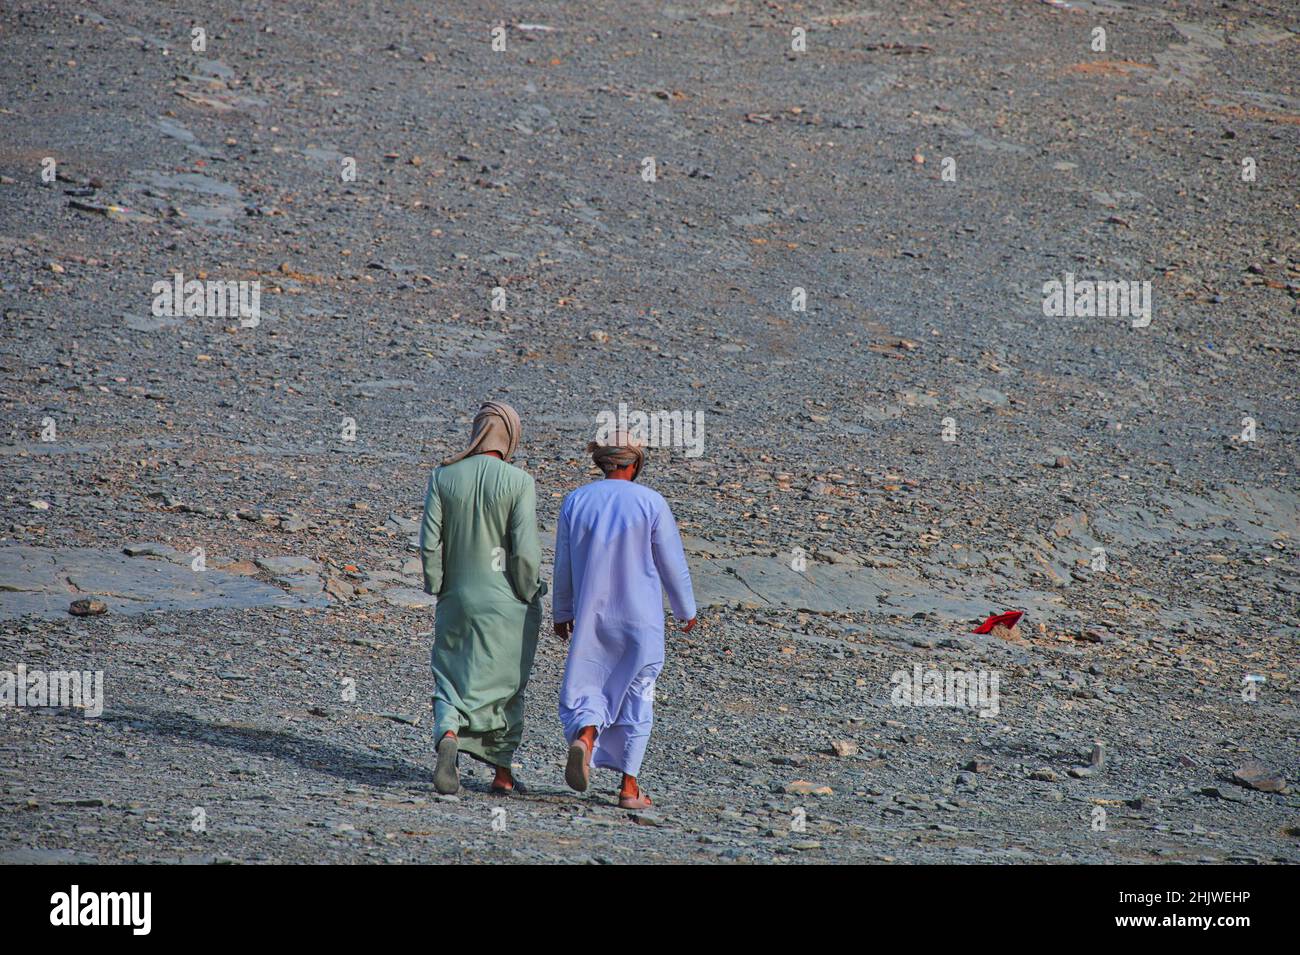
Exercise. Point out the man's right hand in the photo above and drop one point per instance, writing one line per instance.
(564, 630)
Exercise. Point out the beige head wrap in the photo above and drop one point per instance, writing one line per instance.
(619, 453)
(496, 428)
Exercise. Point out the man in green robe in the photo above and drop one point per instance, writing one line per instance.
(482, 558)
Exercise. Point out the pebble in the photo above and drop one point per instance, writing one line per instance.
(87, 607)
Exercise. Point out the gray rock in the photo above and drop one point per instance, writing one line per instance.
(409, 598)
(287, 566)
(1255, 775)
(150, 550)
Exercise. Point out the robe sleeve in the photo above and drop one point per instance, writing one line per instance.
(562, 600)
(431, 538)
(670, 561)
(524, 563)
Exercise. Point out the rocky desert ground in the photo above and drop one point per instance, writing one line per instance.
(827, 229)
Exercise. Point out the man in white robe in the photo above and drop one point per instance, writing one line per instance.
(617, 550)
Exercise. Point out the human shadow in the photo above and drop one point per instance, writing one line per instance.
(316, 754)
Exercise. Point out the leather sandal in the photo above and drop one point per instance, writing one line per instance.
(577, 771)
(639, 801)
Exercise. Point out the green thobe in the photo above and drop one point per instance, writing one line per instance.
(482, 558)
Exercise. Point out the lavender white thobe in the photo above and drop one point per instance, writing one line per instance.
(616, 551)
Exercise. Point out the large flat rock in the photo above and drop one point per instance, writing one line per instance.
(42, 581)
(771, 583)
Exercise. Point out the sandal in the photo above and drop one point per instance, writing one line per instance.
(577, 771)
(515, 787)
(446, 777)
(639, 801)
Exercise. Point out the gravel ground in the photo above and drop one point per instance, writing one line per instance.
(919, 446)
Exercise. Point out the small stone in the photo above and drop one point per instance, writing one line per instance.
(844, 747)
(1214, 792)
(409, 598)
(401, 718)
(978, 766)
(827, 556)
(286, 566)
(1255, 775)
(87, 607)
(304, 584)
(404, 525)
(339, 589)
(149, 550)
(802, 787)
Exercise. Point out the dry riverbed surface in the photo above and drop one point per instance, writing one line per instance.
(918, 446)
